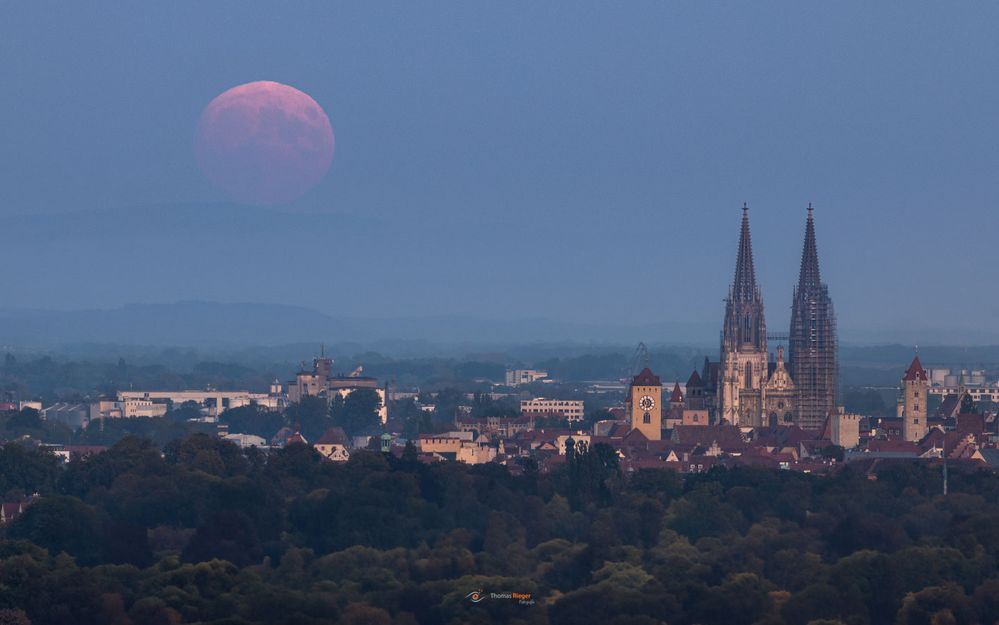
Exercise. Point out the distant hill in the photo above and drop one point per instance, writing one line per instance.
(206, 324)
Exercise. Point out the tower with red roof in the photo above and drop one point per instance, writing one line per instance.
(915, 384)
(645, 404)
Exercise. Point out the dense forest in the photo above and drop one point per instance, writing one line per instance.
(202, 532)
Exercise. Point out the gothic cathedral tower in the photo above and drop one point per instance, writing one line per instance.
(744, 357)
(813, 344)
(914, 387)
(645, 405)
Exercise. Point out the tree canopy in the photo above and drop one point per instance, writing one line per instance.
(203, 532)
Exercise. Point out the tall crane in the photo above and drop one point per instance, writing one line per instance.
(639, 360)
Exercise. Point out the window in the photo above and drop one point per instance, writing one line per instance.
(749, 375)
(646, 418)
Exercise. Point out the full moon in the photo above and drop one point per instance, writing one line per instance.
(264, 143)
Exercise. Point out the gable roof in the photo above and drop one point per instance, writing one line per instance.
(635, 436)
(725, 435)
(948, 406)
(333, 436)
(827, 428)
(676, 397)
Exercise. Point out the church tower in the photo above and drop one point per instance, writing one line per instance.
(813, 343)
(914, 387)
(645, 405)
(744, 356)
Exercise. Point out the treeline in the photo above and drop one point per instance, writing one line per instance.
(202, 532)
(49, 379)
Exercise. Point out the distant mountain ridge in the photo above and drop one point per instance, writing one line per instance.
(199, 323)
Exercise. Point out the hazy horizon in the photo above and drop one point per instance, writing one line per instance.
(582, 163)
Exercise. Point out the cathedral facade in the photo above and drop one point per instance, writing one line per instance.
(744, 361)
(752, 388)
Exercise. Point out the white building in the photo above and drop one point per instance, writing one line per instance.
(569, 409)
(139, 404)
(516, 377)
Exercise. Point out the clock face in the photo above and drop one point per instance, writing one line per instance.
(646, 403)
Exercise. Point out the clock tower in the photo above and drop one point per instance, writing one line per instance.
(645, 405)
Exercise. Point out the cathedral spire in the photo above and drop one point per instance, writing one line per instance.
(809, 279)
(812, 341)
(744, 285)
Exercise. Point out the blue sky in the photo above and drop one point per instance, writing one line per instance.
(575, 160)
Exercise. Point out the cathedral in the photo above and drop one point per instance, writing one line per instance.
(753, 389)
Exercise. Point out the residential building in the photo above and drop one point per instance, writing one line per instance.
(332, 445)
(569, 409)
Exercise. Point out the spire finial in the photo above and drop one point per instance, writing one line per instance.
(745, 207)
(809, 207)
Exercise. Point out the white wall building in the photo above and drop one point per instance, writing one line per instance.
(516, 377)
(569, 409)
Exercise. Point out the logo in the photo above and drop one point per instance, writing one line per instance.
(475, 596)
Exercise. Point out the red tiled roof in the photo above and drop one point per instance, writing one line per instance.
(893, 446)
(915, 371)
(333, 436)
(635, 436)
(676, 397)
(725, 435)
(646, 378)
(827, 428)
(971, 423)
(949, 406)
(694, 380)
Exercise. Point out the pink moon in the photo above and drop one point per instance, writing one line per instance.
(264, 143)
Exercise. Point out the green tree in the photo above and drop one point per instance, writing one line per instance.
(311, 416)
(937, 605)
(60, 523)
(228, 536)
(23, 471)
(207, 453)
(253, 419)
(968, 405)
(357, 413)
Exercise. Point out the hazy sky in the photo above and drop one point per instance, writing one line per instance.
(573, 160)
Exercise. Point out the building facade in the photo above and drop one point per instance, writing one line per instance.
(744, 357)
(915, 384)
(645, 405)
(751, 388)
(516, 377)
(780, 393)
(539, 408)
(322, 382)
